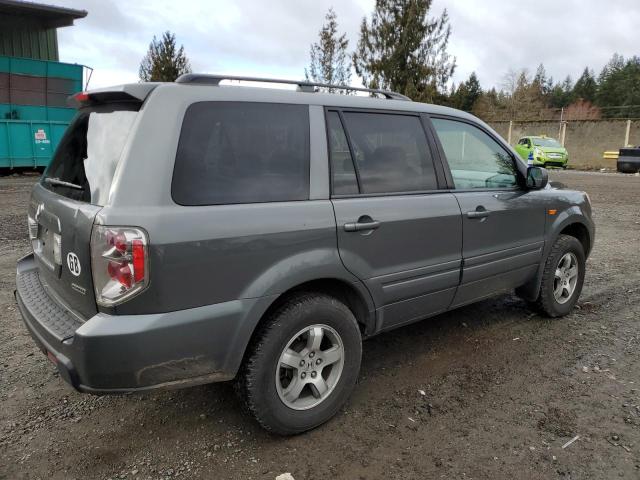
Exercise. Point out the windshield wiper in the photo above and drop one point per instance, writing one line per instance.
(62, 183)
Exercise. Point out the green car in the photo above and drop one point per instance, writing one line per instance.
(544, 151)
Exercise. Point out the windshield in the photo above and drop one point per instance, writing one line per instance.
(84, 164)
(546, 142)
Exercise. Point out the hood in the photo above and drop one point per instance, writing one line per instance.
(552, 149)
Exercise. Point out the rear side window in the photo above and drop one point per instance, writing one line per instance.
(242, 152)
(344, 181)
(391, 152)
(85, 162)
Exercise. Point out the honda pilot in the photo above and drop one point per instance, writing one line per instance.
(197, 231)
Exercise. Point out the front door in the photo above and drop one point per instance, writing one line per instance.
(503, 224)
(396, 231)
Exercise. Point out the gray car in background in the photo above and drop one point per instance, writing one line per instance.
(195, 232)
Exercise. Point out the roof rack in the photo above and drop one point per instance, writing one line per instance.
(207, 79)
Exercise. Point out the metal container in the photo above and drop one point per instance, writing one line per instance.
(33, 109)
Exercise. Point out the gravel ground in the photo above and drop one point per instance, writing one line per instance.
(487, 391)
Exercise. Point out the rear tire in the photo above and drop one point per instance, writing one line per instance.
(562, 277)
(302, 365)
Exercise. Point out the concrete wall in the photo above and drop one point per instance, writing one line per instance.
(585, 140)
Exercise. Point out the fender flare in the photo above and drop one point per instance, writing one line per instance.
(573, 215)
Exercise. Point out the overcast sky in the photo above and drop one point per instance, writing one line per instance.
(272, 38)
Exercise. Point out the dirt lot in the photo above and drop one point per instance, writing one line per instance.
(505, 389)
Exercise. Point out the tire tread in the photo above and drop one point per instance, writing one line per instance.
(544, 303)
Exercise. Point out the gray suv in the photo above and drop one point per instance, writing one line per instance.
(196, 232)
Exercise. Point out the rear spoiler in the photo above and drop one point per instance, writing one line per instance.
(130, 92)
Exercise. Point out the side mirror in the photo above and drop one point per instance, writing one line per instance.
(537, 178)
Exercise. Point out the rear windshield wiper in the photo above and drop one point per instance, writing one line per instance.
(62, 183)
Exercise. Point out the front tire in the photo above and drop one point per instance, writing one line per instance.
(302, 364)
(562, 278)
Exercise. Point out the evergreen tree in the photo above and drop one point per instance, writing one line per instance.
(619, 86)
(612, 67)
(541, 82)
(163, 61)
(329, 59)
(402, 49)
(467, 94)
(562, 94)
(586, 86)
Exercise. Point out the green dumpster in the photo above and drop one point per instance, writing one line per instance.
(33, 109)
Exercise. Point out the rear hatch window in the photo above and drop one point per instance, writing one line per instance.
(74, 188)
(85, 162)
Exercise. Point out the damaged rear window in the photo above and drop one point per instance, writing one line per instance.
(84, 164)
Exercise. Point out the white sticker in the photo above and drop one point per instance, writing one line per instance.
(73, 262)
(41, 136)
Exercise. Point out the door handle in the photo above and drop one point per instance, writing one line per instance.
(480, 212)
(360, 226)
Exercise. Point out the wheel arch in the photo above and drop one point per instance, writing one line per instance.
(569, 223)
(580, 232)
(356, 298)
(352, 293)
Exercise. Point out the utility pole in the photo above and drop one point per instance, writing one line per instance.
(561, 120)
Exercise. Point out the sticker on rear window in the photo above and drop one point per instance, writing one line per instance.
(73, 262)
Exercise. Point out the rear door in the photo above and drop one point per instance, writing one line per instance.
(71, 192)
(397, 231)
(503, 224)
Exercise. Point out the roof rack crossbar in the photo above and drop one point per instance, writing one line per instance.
(207, 79)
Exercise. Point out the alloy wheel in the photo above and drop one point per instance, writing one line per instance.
(309, 367)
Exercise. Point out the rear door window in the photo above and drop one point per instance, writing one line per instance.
(242, 152)
(85, 162)
(343, 175)
(391, 152)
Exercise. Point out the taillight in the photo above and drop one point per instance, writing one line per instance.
(119, 261)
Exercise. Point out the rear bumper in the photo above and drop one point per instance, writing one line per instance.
(125, 353)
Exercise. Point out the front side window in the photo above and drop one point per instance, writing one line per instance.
(242, 152)
(391, 152)
(475, 159)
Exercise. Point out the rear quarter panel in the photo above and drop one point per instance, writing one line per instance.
(205, 255)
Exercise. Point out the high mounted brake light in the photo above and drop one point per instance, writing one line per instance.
(119, 261)
(79, 100)
(81, 97)
(133, 94)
